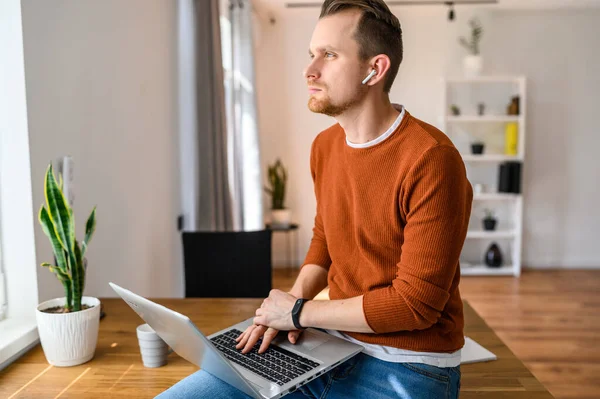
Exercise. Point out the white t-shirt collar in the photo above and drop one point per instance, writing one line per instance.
(385, 135)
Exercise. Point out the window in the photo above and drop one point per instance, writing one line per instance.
(3, 304)
(18, 330)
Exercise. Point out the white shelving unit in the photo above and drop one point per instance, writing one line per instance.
(495, 92)
(491, 234)
(490, 158)
(487, 118)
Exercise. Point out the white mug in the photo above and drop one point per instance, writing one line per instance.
(153, 349)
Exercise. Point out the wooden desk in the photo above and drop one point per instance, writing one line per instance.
(117, 371)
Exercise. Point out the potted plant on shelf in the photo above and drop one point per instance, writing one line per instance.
(68, 326)
(473, 63)
(277, 178)
(477, 147)
(489, 222)
(455, 110)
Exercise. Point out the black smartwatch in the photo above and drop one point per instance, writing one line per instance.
(296, 313)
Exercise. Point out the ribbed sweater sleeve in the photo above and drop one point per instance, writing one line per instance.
(318, 253)
(435, 197)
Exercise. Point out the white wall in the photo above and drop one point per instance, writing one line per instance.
(559, 52)
(553, 49)
(101, 80)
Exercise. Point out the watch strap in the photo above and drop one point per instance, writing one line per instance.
(296, 313)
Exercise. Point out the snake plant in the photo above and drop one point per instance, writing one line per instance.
(58, 223)
(476, 32)
(277, 181)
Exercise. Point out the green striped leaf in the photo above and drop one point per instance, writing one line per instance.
(61, 276)
(48, 228)
(80, 268)
(56, 270)
(62, 218)
(90, 227)
(78, 277)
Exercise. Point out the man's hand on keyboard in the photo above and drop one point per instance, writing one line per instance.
(276, 311)
(276, 364)
(250, 337)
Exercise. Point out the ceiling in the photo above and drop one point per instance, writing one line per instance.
(516, 4)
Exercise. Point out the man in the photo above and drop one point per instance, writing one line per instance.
(393, 205)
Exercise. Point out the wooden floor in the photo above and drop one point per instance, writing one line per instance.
(549, 319)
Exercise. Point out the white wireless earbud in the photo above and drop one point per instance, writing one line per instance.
(373, 72)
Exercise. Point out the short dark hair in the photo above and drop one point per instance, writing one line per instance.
(378, 31)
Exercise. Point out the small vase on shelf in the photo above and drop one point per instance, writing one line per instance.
(473, 63)
(511, 134)
(493, 256)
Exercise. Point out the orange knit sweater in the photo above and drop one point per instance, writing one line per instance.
(391, 221)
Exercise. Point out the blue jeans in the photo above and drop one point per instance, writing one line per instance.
(363, 376)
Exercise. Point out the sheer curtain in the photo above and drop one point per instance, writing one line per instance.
(242, 118)
(220, 160)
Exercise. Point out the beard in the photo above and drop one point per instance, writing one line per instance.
(327, 107)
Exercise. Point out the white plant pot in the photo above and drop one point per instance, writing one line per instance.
(473, 65)
(68, 339)
(281, 217)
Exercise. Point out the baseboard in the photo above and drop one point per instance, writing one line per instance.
(583, 266)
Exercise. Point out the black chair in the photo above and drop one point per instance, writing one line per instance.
(227, 264)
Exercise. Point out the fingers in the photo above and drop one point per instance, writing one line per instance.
(251, 338)
(245, 336)
(267, 338)
(294, 335)
(241, 336)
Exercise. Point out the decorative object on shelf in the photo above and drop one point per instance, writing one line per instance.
(481, 109)
(511, 134)
(478, 188)
(489, 222)
(455, 110)
(477, 147)
(277, 177)
(473, 63)
(509, 177)
(493, 256)
(513, 107)
(68, 327)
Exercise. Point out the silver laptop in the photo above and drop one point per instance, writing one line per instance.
(280, 370)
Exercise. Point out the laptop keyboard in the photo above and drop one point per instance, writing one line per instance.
(275, 364)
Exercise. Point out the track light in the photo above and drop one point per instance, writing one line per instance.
(450, 4)
(451, 10)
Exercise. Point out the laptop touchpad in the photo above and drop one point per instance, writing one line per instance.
(307, 342)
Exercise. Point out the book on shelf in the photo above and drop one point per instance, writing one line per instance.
(509, 177)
